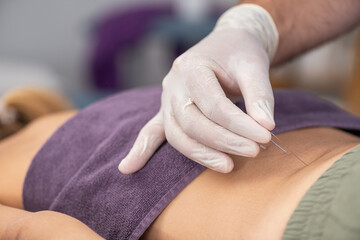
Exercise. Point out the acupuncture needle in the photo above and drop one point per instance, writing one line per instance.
(282, 149)
(279, 144)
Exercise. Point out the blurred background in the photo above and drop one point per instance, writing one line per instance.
(88, 49)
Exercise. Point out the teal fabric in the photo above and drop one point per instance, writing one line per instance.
(331, 207)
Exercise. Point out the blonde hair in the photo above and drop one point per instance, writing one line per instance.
(21, 106)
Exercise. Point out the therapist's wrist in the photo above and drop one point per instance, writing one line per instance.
(255, 20)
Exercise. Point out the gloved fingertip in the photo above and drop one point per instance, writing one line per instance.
(264, 114)
(254, 150)
(124, 168)
(228, 166)
(225, 166)
(270, 112)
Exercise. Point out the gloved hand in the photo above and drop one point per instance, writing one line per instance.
(197, 114)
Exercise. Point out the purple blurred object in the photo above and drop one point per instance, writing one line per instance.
(116, 32)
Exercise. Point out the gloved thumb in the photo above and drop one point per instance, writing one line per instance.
(151, 136)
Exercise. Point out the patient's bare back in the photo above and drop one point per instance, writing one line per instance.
(256, 200)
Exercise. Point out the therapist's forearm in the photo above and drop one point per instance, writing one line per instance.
(305, 24)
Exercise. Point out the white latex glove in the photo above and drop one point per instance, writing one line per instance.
(197, 116)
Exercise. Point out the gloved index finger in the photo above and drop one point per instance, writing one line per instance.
(207, 94)
(253, 81)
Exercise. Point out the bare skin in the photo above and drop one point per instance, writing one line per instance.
(257, 198)
(16, 153)
(305, 24)
(252, 202)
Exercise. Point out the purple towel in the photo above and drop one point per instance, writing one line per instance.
(76, 170)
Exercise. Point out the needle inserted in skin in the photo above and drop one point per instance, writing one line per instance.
(283, 147)
(278, 146)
